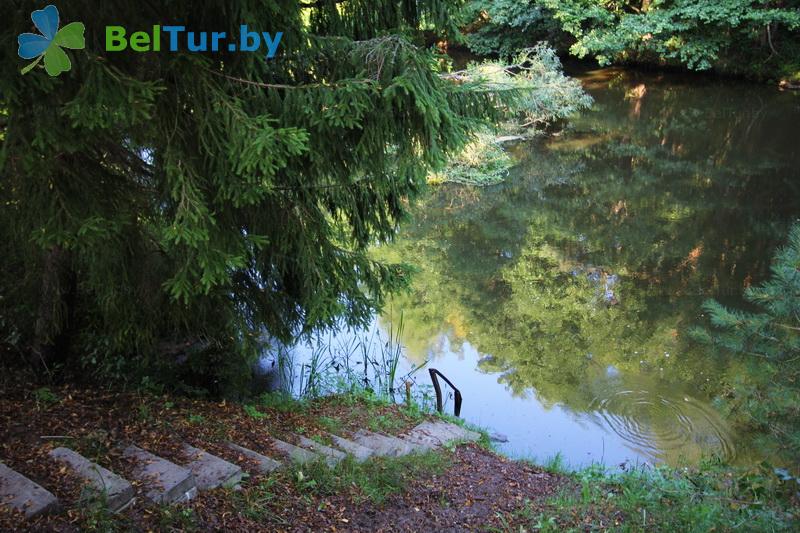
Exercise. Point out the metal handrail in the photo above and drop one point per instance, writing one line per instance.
(435, 374)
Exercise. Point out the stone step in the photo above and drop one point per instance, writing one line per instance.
(117, 491)
(331, 455)
(422, 442)
(265, 464)
(461, 433)
(22, 494)
(438, 433)
(383, 444)
(361, 453)
(164, 481)
(211, 471)
(294, 453)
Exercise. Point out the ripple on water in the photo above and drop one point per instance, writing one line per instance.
(663, 428)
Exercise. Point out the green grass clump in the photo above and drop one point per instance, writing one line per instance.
(253, 412)
(44, 398)
(330, 424)
(385, 423)
(255, 503)
(281, 401)
(712, 497)
(374, 480)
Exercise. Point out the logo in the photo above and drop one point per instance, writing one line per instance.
(177, 38)
(50, 44)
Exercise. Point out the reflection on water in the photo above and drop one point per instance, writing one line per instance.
(558, 302)
(659, 424)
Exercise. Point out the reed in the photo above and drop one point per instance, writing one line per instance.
(348, 361)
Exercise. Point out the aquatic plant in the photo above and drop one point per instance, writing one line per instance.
(359, 362)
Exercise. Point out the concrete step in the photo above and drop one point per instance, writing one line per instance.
(422, 442)
(164, 481)
(361, 453)
(294, 453)
(331, 455)
(211, 471)
(22, 494)
(438, 433)
(384, 444)
(265, 464)
(117, 491)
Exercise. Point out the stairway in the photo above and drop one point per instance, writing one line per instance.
(166, 482)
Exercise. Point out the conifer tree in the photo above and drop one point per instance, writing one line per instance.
(165, 205)
(767, 340)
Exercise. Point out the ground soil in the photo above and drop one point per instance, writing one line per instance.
(478, 491)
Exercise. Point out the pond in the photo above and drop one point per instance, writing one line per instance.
(558, 302)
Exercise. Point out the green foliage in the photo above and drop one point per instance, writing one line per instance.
(749, 37)
(160, 211)
(542, 93)
(767, 395)
(503, 27)
(697, 34)
(546, 95)
(482, 162)
(365, 19)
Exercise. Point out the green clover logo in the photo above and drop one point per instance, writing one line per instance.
(49, 44)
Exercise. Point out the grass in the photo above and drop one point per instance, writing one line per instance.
(374, 480)
(280, 401)
(526, 517)
(484, 441)
(144, 413)
(255, 502)
(44, 398)
(330, 424)
(253, 412)
(176, 518)
(711, 497)
(362, 365)
(364, 409)
(385, 423)
(94, 514)
(556, 464)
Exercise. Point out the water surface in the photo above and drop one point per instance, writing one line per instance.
(558, 301)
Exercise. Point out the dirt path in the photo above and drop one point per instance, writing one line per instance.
(469, 496)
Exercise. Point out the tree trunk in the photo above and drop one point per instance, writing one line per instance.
(54, 317)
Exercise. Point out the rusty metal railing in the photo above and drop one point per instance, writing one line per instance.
(435, 375)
